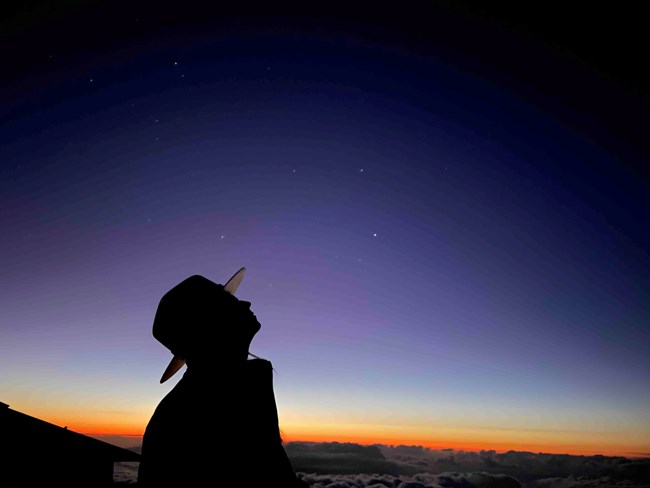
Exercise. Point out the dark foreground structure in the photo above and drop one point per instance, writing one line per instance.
(36, 453)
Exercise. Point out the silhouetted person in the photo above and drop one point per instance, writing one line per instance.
(219, 425)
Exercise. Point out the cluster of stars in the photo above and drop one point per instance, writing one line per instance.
(181, 75)
(51, 58)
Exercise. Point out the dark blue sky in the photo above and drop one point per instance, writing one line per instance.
(439, 208)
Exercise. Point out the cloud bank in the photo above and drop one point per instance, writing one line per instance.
(421, 480)
(348, 465)
(451, 468)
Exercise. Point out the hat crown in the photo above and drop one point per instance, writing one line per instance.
(182, 309)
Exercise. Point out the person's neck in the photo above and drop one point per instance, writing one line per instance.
(216, 364)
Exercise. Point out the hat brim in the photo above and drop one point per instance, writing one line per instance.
(178, 362)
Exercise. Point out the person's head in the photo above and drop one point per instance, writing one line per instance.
(202, 323)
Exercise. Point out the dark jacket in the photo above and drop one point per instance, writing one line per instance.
(217, 432)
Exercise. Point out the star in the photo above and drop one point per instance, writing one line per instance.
(375, 234)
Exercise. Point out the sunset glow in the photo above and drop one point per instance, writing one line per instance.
(444, 224)
(469, 438)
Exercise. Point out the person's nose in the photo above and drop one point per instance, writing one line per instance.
(246, 304)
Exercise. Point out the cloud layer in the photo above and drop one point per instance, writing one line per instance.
(450, 468)
(347, 465)
(420, 480)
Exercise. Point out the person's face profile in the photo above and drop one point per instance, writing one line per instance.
(238, 310)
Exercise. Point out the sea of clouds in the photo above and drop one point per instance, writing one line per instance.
(348, 465)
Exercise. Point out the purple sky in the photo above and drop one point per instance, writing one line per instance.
(432, 242)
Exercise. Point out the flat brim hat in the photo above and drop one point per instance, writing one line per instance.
(181, 316)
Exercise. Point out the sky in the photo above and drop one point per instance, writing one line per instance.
(442, 212)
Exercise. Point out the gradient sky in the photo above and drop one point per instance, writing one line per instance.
(444, 247)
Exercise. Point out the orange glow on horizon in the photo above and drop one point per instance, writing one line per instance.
(93, 427)
(437, 444)
(465, 440)
(576, 449)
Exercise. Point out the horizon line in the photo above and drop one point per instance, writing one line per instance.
(467, 449)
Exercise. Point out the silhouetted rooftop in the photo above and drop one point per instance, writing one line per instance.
(33, 451)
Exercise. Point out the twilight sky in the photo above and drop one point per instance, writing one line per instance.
(443, 213)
